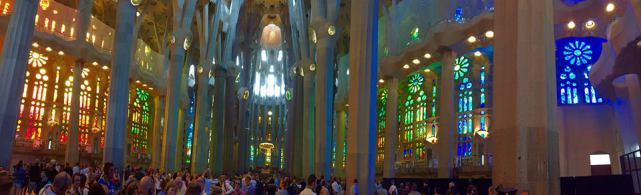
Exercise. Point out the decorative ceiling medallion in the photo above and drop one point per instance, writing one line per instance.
(331, 30)
(136, 2)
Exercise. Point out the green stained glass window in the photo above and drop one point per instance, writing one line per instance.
(140, 122)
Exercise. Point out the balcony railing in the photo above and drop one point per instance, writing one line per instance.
(59, 20)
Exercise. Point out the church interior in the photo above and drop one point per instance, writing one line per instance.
(543, 96)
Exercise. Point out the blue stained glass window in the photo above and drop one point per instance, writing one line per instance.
(574, 59)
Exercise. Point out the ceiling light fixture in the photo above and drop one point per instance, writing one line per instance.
(571, 25)
(471, 39)
(416, 61)
(590, 24)
(489, 34)
(610, 7)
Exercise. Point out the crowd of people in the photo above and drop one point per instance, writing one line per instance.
(51, 178)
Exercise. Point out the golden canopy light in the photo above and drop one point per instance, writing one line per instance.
(271, 37)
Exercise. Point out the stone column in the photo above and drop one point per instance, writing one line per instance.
(340, 143)
(308, 122)
(361, 135)
(229, 163)
(119, 85)
(219, 120)
(71, 153)
(13, 67)
(172, 99)
(391, 121)
(446, 144)
(525, 139)
(203, 109)
(156, 141)
(325, 103)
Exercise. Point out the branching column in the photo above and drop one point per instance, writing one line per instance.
(361, 135)
(13, 67)
(183, 12)
(119, 84)
(219, 120)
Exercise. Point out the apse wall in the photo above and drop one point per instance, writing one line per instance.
(585, 130)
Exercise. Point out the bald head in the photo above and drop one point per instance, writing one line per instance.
(61, 183)
(146, 185)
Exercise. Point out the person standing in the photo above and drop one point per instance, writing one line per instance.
(19, 177)
(392, 189)
(34, 177)
(109, 179)
(311, 184)
(80, 184)
(354, 189)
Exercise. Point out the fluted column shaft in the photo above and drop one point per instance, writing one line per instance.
(13, 67)
(447, 119)
(219, 117)
(119, 85)
(201, 134)
(71, 153)
(325, 104)
(391, 122)
(308, 122)
(340, 143)
(361, 134)
(156, 142)
(525, 137)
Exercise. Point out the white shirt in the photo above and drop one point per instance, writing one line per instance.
(307, 191)
(75, 169)
(336, 187)
(227, 188)
(392, 190)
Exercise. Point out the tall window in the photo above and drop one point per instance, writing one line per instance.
(574, 59)
(380, 126)
(46, 102)
(472, 76)
(140, 116)
(414, 117)
(464, 106)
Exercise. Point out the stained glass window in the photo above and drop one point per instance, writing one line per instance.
(140, 116)
(574, 59)
(44, 112)
(415, 114)
(471, 78)
(380, 141)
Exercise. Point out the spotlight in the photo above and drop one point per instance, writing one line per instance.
(489, 34)
(406, 66)
(610, 7)
(61, 53)
(427, 56)
(477, 54)
(416, 61)
(571, 25)
(94, 63)
(381, 81)
(427, 70)
(471, 39)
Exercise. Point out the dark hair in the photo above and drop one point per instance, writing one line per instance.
(107, 166)
(96, 189)
(311, 179)
(194, 189)
(83, 178)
